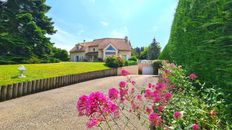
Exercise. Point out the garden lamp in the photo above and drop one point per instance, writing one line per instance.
(21, 71)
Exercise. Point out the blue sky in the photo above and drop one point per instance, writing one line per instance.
(140, 20)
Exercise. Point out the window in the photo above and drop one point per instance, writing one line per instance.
(94, 49)
(110, 48)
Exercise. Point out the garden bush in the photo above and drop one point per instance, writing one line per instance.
(201, 41)
(114, 61)
(133, 58)
(130, 62)
(175, 102)
(156, 64)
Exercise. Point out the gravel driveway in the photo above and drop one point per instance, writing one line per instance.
(55, 109)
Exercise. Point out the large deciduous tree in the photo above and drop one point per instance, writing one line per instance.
(23, 30)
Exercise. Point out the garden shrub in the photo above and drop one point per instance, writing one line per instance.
(114, 61)
(201, 41)
(175, 102)
(133, 58)
(156, 64)
(130, 62)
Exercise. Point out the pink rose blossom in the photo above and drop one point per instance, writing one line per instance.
(192, 76)
(122, 84)
(148, 94)
(167, 96)
(195, 127)
(113, 93)
(154, 119)
(176, 115)
(124, 72)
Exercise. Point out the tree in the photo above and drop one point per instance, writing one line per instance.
(60, 54)
(143, 54)
(153, 50)
(23, 30)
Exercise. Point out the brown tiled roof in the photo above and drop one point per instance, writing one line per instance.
(118, 43)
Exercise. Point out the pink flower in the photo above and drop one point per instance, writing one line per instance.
(148, 94)
(133, 82)
(160, 108)
(139, 97)
(122, 92)
(113, 93)
(148, 110)
(157, 99)
(82, 105)
(166, 71)
(160, 86)
(122, 84)
(167, 96)
(149, 85)
(132, 90)
(192, 76)
(165, 79)
(154, 119)
(91, 123)
(124, 72)
(176, 115)
(195, 127)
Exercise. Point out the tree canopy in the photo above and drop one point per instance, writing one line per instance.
(23, 31)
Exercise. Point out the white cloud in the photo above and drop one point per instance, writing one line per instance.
(120, 32)
(65, 40)
(104, 23)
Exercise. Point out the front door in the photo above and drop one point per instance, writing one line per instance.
(77, 58)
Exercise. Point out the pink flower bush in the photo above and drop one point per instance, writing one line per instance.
(195, 127)
(192, 76)
(113, 93)
(176, 115)
(154, 119)
(96, 106)
(124, 72)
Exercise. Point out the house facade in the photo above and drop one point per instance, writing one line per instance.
(100, 49)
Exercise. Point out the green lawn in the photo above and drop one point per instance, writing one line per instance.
(9, 73)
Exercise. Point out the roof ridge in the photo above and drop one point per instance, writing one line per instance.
(108, 38)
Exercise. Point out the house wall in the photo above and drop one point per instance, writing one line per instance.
(100, 54)
(90, 49)
(123, 53)
(74, 55)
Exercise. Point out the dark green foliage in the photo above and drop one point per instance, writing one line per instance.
(134, 58)
(153, 50)
(114, 61)
(140, 53)
(23, 30)
(130, 62)
(201, 41)
(157, 64)
(60, 54)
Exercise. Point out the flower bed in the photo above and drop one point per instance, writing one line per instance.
(175, 102)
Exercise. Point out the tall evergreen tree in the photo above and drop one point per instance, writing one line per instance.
(153, 50)
(23, 29)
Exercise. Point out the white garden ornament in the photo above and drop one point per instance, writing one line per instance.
(21, 71)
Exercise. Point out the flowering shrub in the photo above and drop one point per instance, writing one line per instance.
(172, 103)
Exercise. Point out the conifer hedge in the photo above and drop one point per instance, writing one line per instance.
(201, 40)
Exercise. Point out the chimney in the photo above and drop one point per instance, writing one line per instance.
(126, 38)
(83, 40)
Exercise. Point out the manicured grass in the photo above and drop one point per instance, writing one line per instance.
(9, 73)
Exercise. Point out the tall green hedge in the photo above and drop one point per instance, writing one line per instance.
(201, 40)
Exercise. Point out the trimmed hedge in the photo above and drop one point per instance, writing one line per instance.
(114, 61)
(201, 40)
